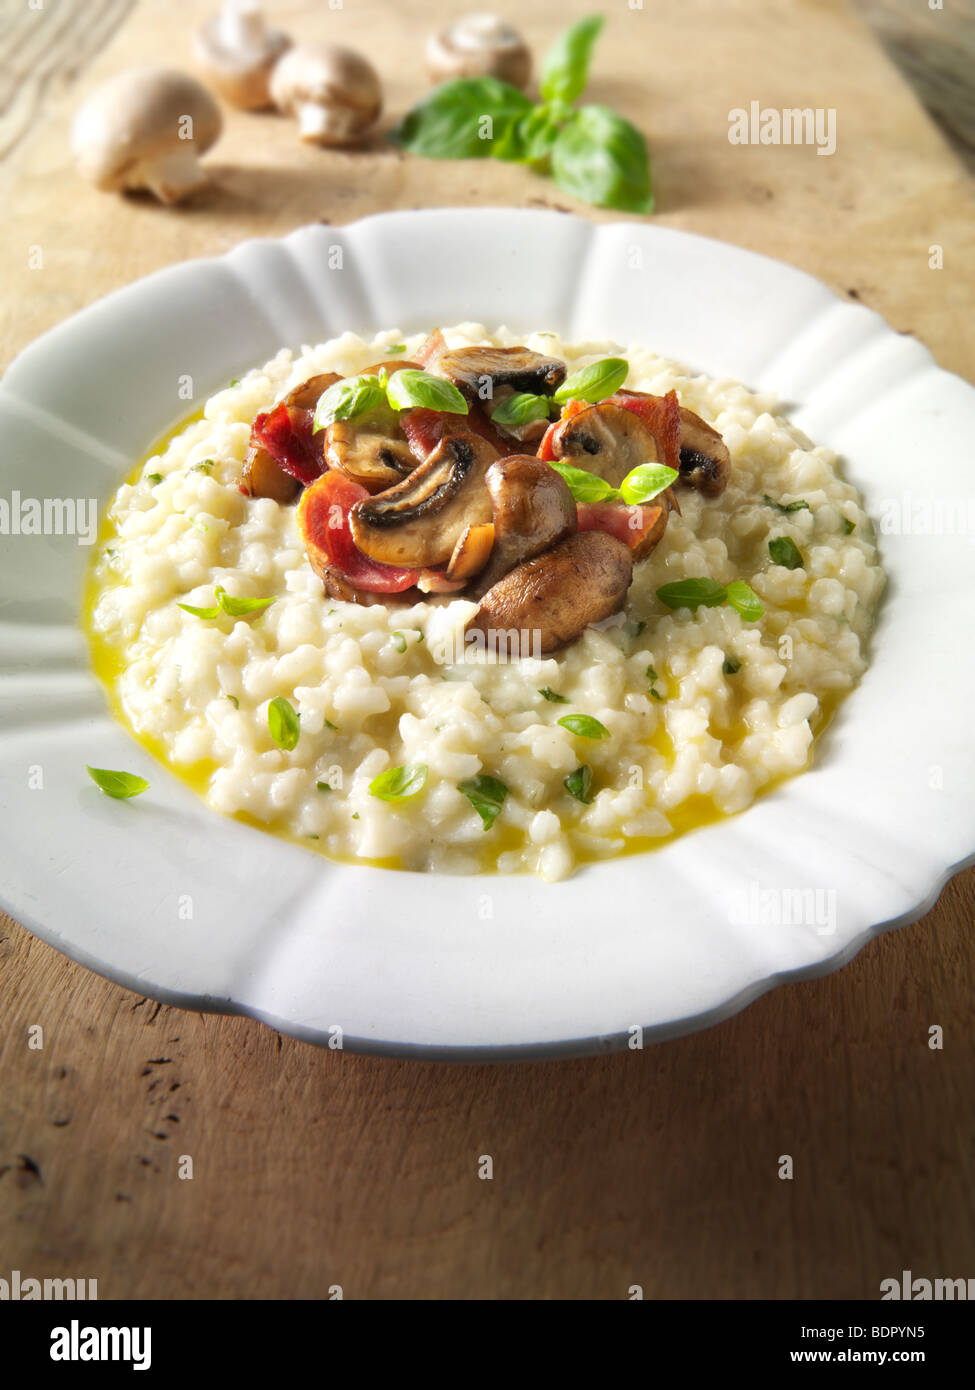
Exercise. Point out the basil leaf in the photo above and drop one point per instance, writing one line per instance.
(399, 783)
(486, 794)
(551, 695)
(353, 395)
(323, 786)
(565, 69)
(785, 552)
(118, 785)
(201, 612)
(594, 382)
(585, 486)
(645, 482)
(848, 526)
(579, 784)
(412, 387)
(395, 347)
(745, 601)
(530, 140)
(602, 159)
(786, 507)
(731, 666)
(693, 593)
(240, 607)
(584, 726)
(234, 701)
(521, 409)
(203, 467)
(154, 478)
(282, 721)
(462, 119)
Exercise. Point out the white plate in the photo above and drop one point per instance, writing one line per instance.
(481, 967)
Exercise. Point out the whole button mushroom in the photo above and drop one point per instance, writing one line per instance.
(237, 52)
(479, 45)
(333, 91)
(146, 128)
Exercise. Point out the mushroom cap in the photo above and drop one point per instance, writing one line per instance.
(479, 45)
(338, 80)
(136, 116)
(238, 51)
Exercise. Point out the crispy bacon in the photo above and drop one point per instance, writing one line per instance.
(323, 520)
(286, 434)
(661, 415)
(545, 449)
(429, 353)
(425, 429)
(632, 525)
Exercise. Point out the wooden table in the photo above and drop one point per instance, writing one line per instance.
(658, 1168)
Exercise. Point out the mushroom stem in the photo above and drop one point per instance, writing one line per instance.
(316, 121)
(169, 176)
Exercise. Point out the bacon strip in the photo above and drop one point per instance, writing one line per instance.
(661, 415)
(287, 435)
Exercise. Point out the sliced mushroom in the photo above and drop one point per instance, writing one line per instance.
(306, 396)
(263, 476)
(371, 449)
(705, 461)
(533, 509)
(420, 520)
(471, 552)
(480, 371)
(607, 440)
(559, 593)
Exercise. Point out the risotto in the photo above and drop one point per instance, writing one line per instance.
(677, 652)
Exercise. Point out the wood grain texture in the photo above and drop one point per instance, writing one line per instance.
(659, 1168)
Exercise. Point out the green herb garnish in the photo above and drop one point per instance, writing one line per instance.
(521, 409)
(708, 593)
(229, 604)
(848, 526)
(731, 666)
(413, 387)
(154, 478)
(395, 347)
(785, 552)
(579, 784)
(585, 486)
(640, 485)
(652, 677)
(234, 701)
(353, 395)
(329, 725)
(400, 640)
(203, 467)
(399, 783)
(583, 726)
(551, 695)
(786, 507)
(118, 785)
(283, 723)
(595, 382)
(486, 794)
(324, 786)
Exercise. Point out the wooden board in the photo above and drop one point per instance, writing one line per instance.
(658, 1168)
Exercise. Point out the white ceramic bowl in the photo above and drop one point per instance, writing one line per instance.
(170, 899)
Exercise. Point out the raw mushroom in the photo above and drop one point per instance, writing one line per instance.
(705, 462)
(480, 371)
(559, 593)
(479, 45)
(334, 92)
(420, 520)
(533, 509)
(237, 52)
(606, 440)
(146, 128)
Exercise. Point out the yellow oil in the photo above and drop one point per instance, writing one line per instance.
(107, 664)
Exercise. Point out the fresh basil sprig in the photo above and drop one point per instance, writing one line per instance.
(486, 794)
(800, 505)
(227, 603)
(708, 593)
(595, 382)
(640, 485)
(552, 695)
(353, 395)
(591, 151)
(399, 783)
(118, 785)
